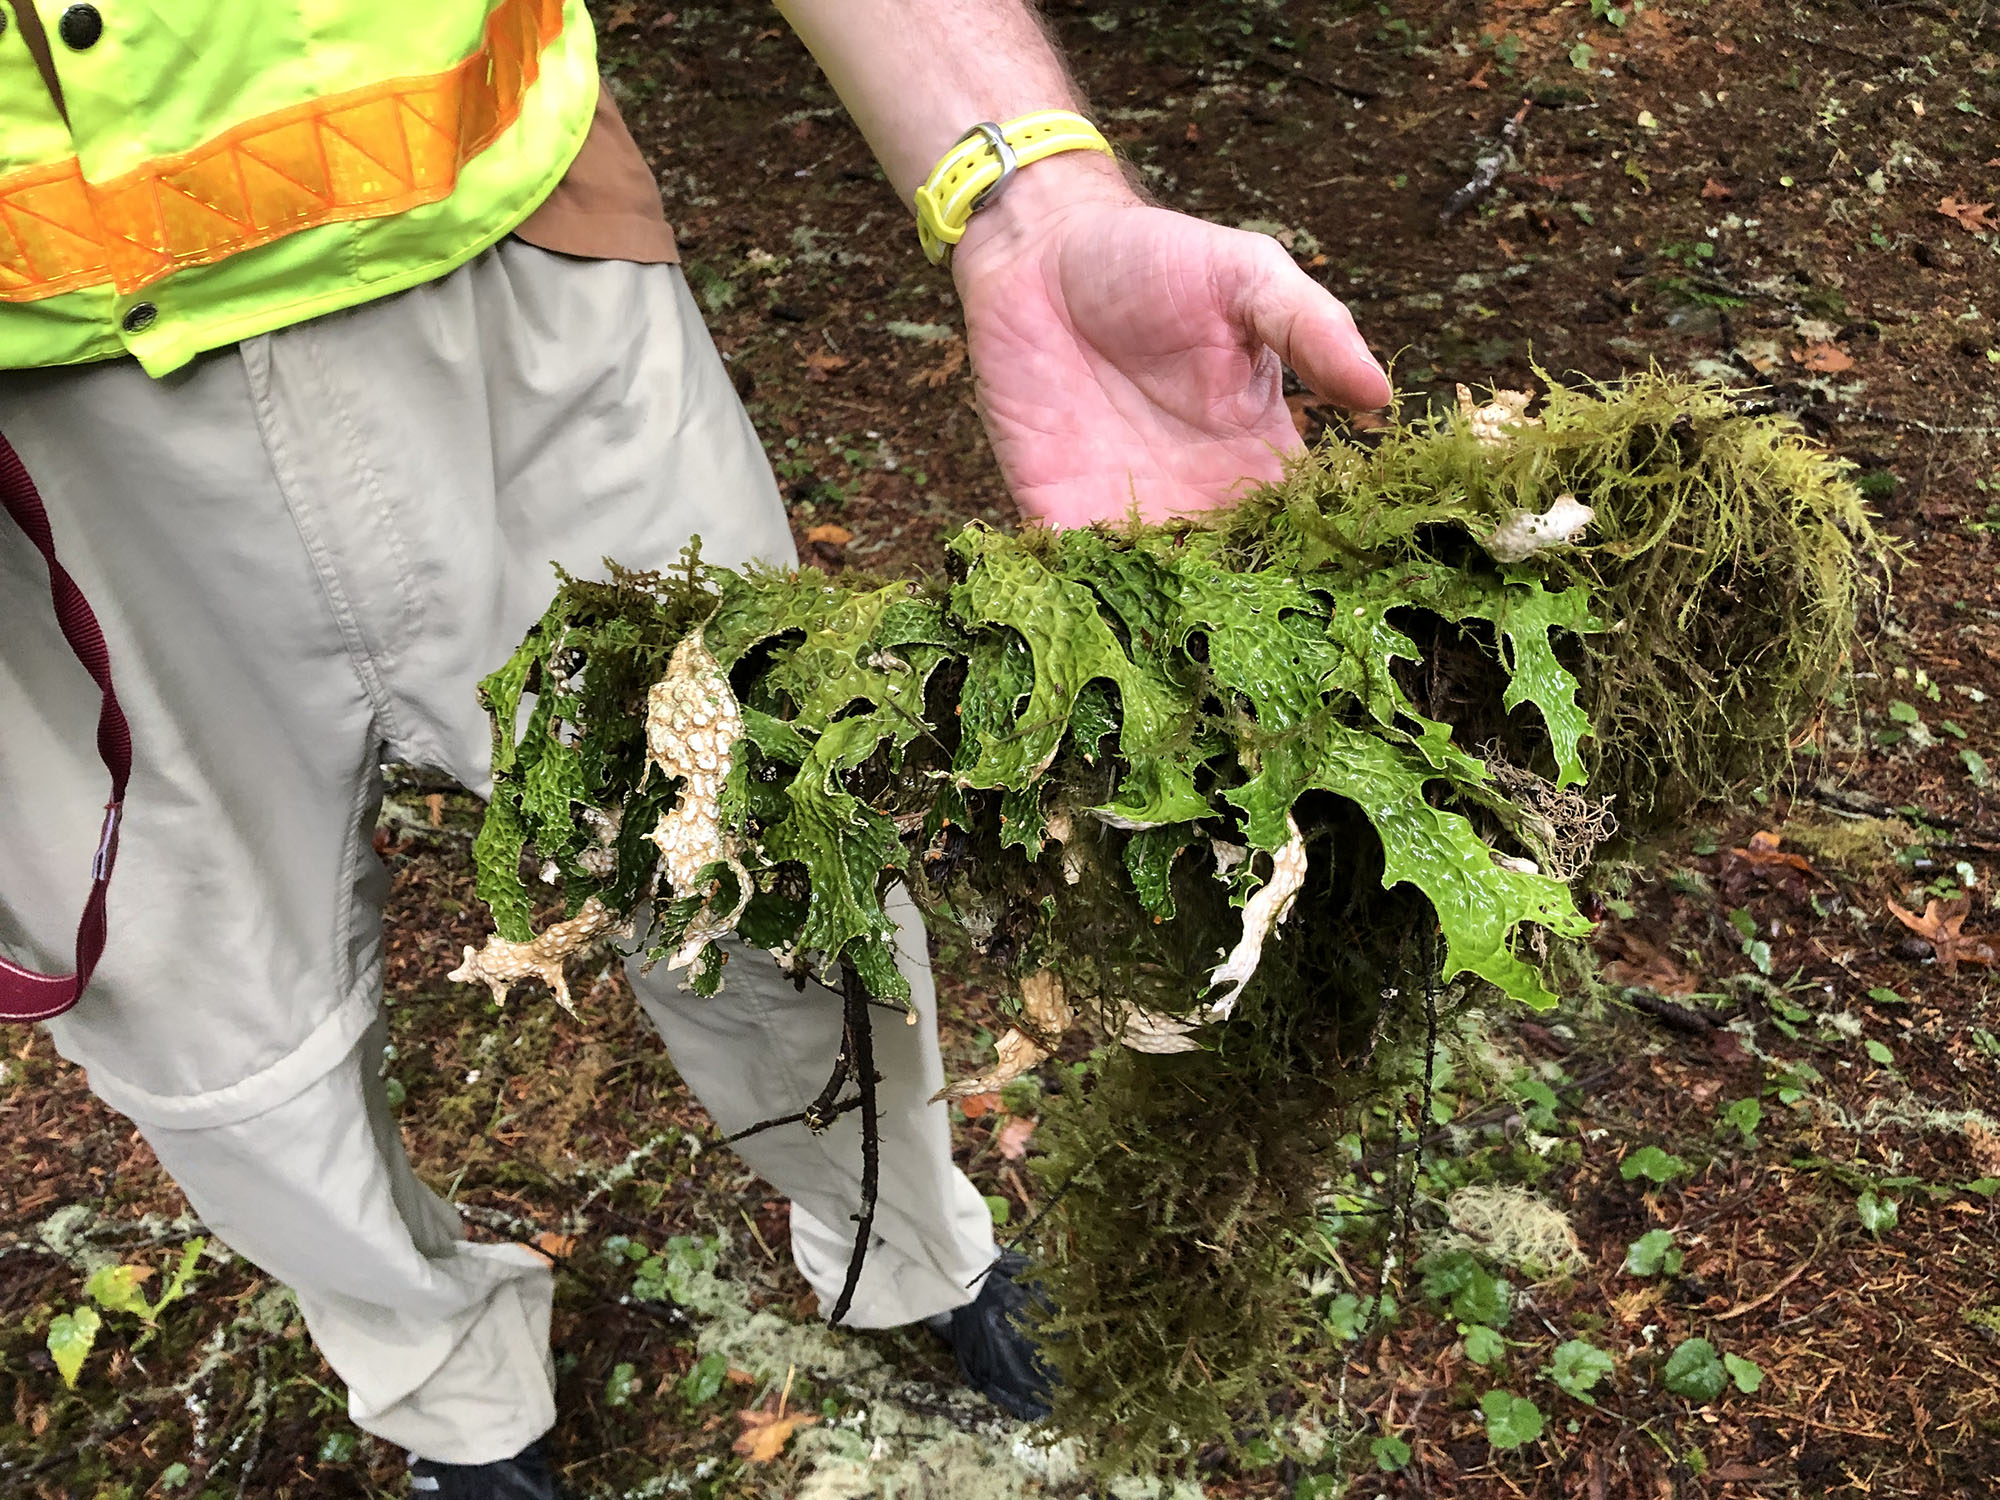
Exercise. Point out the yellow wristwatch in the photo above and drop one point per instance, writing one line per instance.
(972, 175)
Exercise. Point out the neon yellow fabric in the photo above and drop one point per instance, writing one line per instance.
(233, 167)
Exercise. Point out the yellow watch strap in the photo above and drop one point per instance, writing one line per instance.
(986, 156)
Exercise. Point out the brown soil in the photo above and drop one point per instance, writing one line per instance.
(1751, 191)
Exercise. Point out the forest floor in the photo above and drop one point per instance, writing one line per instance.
(1794, 197)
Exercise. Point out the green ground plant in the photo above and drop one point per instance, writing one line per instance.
(1117, 760)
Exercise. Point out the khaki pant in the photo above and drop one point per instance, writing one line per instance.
(305, 551)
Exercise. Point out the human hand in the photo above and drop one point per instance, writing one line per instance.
(1131, 357)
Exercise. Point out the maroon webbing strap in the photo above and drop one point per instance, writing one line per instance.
(24, 994)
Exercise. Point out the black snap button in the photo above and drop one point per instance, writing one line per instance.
(80, 27)
(3, 23)
(140, 316)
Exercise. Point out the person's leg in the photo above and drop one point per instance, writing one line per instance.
(592, 401)
(763, 1049)
(232, 1016)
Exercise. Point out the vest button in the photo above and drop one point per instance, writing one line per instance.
(80, 27)
(140, 316)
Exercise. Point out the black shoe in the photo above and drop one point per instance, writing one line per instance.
(997, 1354)
(525, 1476)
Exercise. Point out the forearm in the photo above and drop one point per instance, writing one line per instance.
(917, 74)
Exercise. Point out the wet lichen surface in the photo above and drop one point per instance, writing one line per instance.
(1768, 1125)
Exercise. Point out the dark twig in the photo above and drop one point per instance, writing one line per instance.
(1486, 171)
(1679, 1017)
(819, 1114)
(813, 1121)
(860, 1043)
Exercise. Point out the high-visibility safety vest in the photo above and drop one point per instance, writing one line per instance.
(229, 167)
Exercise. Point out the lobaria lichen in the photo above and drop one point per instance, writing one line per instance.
(1205, 789)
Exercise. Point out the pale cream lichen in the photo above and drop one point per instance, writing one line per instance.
(1266, 909)
(1524, 533)
(1047, 1011)
(502, 962)
(692, 728)
(1489, 423)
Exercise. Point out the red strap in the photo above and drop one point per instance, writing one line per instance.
(24, 994)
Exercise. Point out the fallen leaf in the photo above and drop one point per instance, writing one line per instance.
(976, 1105)
(553, 1247)
(1738, 1473)
(765, 1433)
(1716, 192)
(1985, 1145)
(941, 373)
(1641, 966)
(1193, 134)
(830, 534)
(1823, 359)
(1726, 1047)
(1478, 80)
(1971, 216)
(1506, 247)
(1301, 410)
(1942, 926)
(1727, 49)
(435, 802)
(1762, 859)
(1011, 1139)
(621, 16)
(820, 363)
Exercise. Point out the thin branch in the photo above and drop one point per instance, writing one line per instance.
(803, 1117)
(1486, 171)
(819, 1114)
(861, 1043)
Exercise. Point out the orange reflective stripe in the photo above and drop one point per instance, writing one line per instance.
(365, 154)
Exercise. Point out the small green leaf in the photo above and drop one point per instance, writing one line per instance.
(1483, 1346)
(1744, 923)
(174, 1476)
(704, 1382)
(71, 1336)
(622, 1385)
(1878, 1052)
(1390, 1452)
(1002, 1208)
(1975, 767)
(1877, 1213)
(1511, 1420)
(1747, 1373)
(1905, 713)
(1883, 996)
(116, 1289)
(1694, 1372)
(1653, 1164)
(1579, 1365)
(1652, 1253)
(1581, 56)
(1744, 1116)
(338, 1448)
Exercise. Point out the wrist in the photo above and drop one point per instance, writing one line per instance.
(1036, 199)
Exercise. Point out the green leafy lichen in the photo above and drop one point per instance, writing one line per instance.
(1061, 746)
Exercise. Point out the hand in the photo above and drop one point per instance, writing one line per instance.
(1131, 357)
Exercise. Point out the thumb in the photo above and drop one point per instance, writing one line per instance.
(1312, 331)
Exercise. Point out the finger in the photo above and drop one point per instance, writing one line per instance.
(1312, 331)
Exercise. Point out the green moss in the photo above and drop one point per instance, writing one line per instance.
(1058, 745)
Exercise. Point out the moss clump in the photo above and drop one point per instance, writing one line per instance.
(1097, 755)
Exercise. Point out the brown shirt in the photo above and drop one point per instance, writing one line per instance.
(607, 207)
